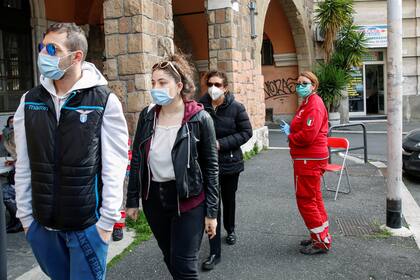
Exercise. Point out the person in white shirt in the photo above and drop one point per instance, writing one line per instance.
(71, 143)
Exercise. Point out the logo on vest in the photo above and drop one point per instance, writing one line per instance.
(36, 107)
(84, 115)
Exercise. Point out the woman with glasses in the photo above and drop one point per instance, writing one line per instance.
(233, 129)
(174, 168)
(307, 136)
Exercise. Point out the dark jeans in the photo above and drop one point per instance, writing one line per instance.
(9, 194)
(179, 237)
(228, 186)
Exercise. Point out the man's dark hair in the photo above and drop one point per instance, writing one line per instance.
(219, 74)
(76, 38)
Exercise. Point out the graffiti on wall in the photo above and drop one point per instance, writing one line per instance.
(279, 88)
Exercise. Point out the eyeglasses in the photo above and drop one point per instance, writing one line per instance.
(51, 48)
(218, 85)
(165, 64)
(303, 84)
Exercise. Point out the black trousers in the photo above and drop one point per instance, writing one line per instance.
(228, 187)
(178, 237)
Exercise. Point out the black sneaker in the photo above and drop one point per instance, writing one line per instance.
(311, 250)
(231, 238)
(306, 242)
(117, 234)
(14, 228)
(210, 262)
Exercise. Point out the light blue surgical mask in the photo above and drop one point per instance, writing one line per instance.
(161, 96)
(304, 90)
(49, 66)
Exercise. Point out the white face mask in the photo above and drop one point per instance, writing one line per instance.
(215, 92)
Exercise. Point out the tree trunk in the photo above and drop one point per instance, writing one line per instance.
(344, 107)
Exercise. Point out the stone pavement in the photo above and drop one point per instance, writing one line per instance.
(269, 229)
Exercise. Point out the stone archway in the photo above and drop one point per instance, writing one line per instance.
(298, 15)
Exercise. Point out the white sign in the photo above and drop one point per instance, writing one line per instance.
(376, 35)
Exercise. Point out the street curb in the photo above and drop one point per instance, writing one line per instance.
(115, 248)
(410, 208)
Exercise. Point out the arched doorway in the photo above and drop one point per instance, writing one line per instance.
(15, 53)
(279, 64)
(190, 35)
(285, 50)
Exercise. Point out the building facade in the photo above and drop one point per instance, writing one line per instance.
(262, 45)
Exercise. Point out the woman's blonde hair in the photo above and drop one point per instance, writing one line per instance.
(311, 76)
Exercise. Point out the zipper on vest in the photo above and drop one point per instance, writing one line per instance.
(65, 103)
(96, 198)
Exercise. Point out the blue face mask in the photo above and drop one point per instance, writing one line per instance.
(48, 66)
(161, 96)
(303, 91)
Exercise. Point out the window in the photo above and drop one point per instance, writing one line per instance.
(267, 53)
(16, 72)
(12, 4)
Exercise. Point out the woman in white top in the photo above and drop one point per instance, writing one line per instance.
(174, 168)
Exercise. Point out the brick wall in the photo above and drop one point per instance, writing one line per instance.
(232, 50)
(138, 33)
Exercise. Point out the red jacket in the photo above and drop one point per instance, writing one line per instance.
(309, 129)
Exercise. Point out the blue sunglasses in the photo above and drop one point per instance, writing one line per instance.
(51, 49)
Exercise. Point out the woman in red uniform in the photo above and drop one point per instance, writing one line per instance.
(307, 136)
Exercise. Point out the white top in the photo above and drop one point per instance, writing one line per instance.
(114, 146)
(160, 155)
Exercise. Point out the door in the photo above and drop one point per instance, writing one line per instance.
(375, 88)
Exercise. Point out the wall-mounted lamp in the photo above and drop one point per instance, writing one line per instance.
(252, 8)
(235, 5)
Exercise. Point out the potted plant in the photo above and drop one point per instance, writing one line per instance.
(343, 49)
(350, 48)
(332, 16)
(332, 81)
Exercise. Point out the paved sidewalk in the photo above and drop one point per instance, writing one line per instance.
(269, 229)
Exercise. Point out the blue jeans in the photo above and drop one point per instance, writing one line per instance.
(71, 255)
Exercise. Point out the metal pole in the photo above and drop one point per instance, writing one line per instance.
(3, 263)
(394, 125)
(364, 143)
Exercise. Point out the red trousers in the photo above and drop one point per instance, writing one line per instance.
(307, 176)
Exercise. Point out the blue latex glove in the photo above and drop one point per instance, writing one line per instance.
(285, 128)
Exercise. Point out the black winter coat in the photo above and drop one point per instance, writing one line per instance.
(194, 157)
(233, 129)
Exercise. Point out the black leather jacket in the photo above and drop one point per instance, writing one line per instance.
(194, 157)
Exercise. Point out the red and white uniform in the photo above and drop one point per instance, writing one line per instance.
(309, 151)
(121, 222)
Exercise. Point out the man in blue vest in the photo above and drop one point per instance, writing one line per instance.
(71, 143)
